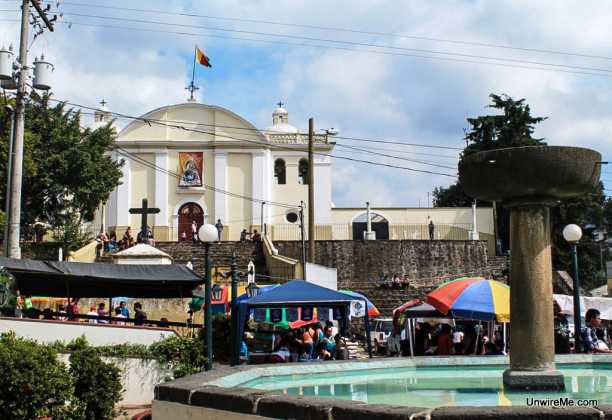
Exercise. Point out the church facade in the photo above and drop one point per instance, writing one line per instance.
(203, 163)
(218, 167)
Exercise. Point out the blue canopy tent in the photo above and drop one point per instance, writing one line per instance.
(297, 293)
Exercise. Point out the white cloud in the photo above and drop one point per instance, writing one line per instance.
(362, 94)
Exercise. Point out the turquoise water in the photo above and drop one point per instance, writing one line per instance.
(438, 386)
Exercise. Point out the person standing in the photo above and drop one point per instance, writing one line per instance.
(140, 316)
(431, 230)
(194, 231)
(93, 315)
(124, 309)
(219, 227)
(102, 313)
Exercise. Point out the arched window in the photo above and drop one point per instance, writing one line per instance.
(303, 172)
(280, 172)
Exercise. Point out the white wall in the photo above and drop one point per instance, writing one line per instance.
(45, 331)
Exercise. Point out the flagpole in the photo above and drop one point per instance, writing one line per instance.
(193, 71)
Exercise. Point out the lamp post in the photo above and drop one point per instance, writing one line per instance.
(572, 234)
(234, 312)
(208, 234)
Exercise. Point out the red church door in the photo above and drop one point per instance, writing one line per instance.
(187, 214)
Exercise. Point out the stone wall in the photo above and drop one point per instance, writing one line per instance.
(424, 263)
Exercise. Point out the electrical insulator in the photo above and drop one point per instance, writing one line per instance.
(42, 73)
(6, 63)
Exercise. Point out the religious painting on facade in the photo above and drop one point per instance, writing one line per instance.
(190, 169)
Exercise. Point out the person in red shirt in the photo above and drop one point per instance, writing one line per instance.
(445, 342)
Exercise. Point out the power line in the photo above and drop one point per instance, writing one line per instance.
(151, 165)
(351, 43)
(347, 30)
(409, 152)
(145, 120)
(335, 47)
(259, 130)
(397, 142)
(395, 157)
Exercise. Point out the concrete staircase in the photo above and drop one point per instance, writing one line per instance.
(220, 254)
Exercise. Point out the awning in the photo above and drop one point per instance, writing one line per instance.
(61, 279)
(602, 304)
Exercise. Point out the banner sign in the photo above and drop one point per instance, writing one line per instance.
(260, 315)
(190, 169)
(276, 315)
(323, 314)
(307, 313)
(291, 314)
(358, 308)
(338, 314)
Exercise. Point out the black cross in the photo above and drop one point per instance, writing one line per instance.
(280, 104)
(145, 210)
(103, 102)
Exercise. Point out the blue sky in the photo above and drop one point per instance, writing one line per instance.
(359, 93)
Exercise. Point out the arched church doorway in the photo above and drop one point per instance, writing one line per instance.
(187, 214)
(380, 225)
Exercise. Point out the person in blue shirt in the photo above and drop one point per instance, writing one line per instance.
(589, 333)
(124, 310)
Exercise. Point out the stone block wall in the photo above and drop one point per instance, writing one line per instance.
(424, 263)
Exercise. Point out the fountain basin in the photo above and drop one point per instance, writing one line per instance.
(532, 174)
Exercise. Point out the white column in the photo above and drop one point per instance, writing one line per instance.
(221, 206)
(258, 174)
(161, 189)
(322, 191)
(124, 194)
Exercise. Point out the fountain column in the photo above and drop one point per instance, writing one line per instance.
(529, 180)
(531, 315)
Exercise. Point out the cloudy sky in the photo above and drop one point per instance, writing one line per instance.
(360, 89)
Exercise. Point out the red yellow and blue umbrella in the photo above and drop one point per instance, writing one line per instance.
(473, 298)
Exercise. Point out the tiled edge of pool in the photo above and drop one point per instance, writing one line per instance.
(220, 390)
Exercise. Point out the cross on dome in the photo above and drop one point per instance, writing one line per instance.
(280, 104)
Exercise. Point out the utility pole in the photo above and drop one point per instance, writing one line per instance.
(303, 237)
(9, 109)
(14, 193)
(311, 206)
(13, 247)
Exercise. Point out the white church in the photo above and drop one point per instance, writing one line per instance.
(221, 167)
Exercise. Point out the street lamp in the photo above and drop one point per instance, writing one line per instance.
(252, 290)
(208, 234)
(217, 292)
(572, 234)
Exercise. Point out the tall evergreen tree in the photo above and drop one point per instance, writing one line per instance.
(514, 127)
(67, 171)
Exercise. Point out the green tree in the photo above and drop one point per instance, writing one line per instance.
(68, 171)
(514, 126)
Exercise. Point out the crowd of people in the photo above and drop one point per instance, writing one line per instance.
(444, 340)
(108, 243)
(307, 343)
(98, 314)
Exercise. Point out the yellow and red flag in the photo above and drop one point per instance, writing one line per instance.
(201, 58)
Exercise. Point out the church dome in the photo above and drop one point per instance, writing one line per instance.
(280, 121)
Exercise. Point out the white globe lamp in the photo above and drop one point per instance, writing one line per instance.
(572, 233)
(208, 233)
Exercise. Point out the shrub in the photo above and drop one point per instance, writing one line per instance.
(97, 384)
(33, 382)
(184, 356)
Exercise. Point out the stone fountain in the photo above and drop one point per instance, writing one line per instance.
(530, 180)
